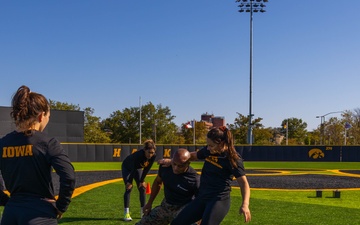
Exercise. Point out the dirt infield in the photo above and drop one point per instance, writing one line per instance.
(303, 179)
(313, 181)
(268, 179)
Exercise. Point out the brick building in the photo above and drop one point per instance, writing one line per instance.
(212, 121)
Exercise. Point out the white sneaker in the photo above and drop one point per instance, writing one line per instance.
(127, 217)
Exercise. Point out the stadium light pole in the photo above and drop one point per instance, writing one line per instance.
(194, 137)
(322, 124)
(251, 6)
(140, 120)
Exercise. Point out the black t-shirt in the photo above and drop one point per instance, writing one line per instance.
(217, 174)
(179, 189)
(138, 160)
(26, 165)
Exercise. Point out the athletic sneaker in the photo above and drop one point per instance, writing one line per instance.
(127, 217)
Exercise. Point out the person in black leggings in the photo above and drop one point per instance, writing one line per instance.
(221, 164)
(135, 167)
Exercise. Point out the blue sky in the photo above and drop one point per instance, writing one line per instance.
(190, 55)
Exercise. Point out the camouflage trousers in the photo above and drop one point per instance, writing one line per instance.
(161, 215)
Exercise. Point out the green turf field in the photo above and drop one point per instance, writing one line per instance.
(89, 166)
(104, 205)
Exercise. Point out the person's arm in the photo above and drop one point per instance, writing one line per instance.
(245, 193)
(63, 167)
(4, 198)
(197, 185)
(193, 156)
(146, 170)
(155, 189)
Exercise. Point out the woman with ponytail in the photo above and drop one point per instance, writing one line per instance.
(27, 160)
(221, 164)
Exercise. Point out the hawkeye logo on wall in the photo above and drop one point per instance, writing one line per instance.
(316, 153)
(117, 152)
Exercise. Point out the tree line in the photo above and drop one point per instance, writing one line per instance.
(157, 123)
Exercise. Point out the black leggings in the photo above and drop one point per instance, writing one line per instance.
(142, 194)
(211, 212)
(29, 212)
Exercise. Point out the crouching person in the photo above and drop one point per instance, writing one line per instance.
(181, 183)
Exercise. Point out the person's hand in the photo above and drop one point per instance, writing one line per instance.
(142, 184)
(128, 186)
(164, 162)
(147, 209)
(58, 212)
(59, 215)
(244, 209)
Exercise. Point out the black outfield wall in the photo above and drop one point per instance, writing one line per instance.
(81, 152)
(64, 125)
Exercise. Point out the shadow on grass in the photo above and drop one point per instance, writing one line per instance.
(79, 219)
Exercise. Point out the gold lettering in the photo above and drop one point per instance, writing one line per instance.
(19, 150)
(167, 152)
(28, 150)
(117, 152)
(146, 164)
(212, 162)
(4, 155)
(10, 152)
(213, 158)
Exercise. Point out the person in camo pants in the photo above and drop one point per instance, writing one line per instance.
(181, 183)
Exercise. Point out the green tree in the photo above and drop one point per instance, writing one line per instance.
(354, 131)
(93, 132)
(63, 106)
(200, 133)
(333, 132)
(240, 129)
(296, 130)
(313, 137)
(123, 125)
(263, 136)
(156, 123)
(334, 129)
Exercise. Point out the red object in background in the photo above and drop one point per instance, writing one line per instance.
(148, 189)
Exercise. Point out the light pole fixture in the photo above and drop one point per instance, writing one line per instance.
(322, 124)
(251, 6)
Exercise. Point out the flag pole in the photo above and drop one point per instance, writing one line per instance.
(194, 131)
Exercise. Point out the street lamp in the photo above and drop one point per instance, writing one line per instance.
(322, 124)
(251, 6)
